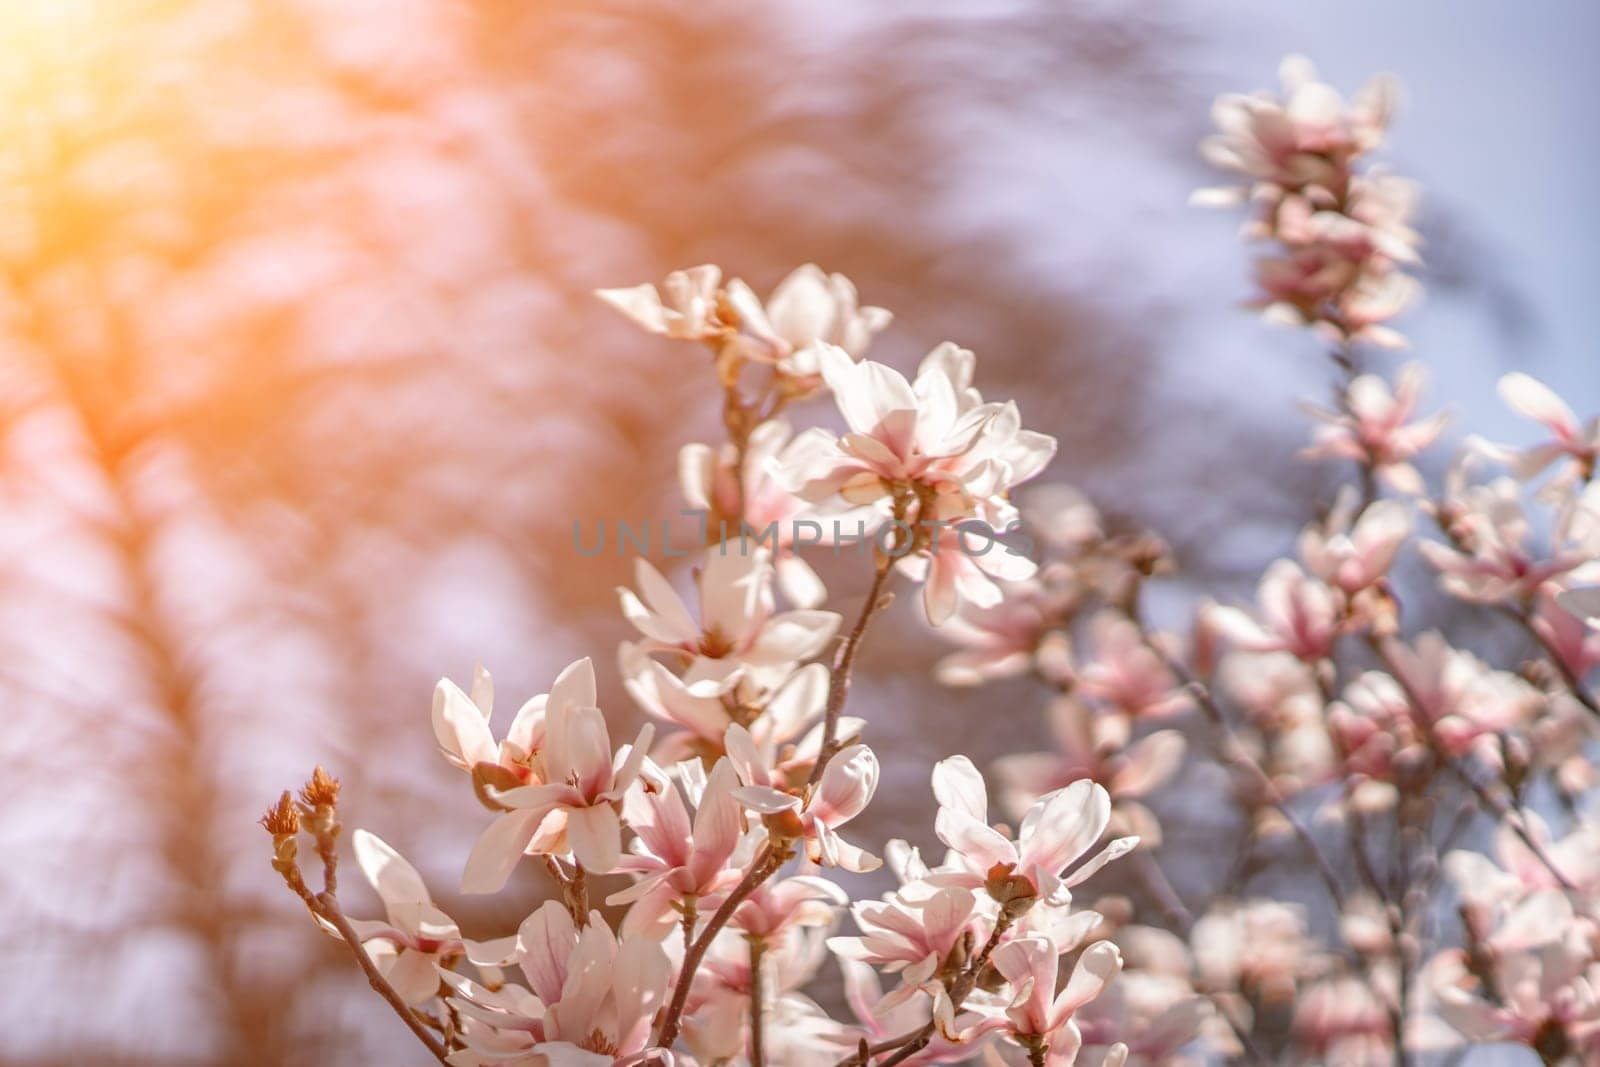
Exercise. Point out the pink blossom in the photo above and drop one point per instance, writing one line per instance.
(1577, 440)
(686, 309)
(1304, 140)
(1354, 557)
(1095, 747)
(1459, 696)
(461, 726)
(1038, 1016)
(715, 482)
(1298, 614)
(1488, 560)
(845, 788)
(585, 787)
(913, 935)
(1060, 828)
(999, 641)
(1374, 428)
(590, 1000)
(939, 457)
(738, 628)
(1124, 675)
(676, 860)
(415, 940)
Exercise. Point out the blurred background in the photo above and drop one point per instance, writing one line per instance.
(302, 387)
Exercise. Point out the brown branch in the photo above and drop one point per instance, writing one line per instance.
(758, 1010)
(327, 907)
(773, 856)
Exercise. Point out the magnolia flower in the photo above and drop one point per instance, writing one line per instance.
(461, 726)
(1378, 736)
(1353, 557)
(1343, 1019)
(1256, 946)
(847, 784)
(808, 309)
(1304, 140)
(1124, 674)
(1488, 560)
(1543, 981)
(738, 630)
(1374, 430)
(415, 940)
(1129, 770)
(585, 785)
(914, 936)
(1577, 440)
(1299, 615)
(679, 860)
(999, 641)
(882, 1022)
(1060, 828)
(1342, 232)
(778, 904)
(689, 309)
(590, 1001)
(754, 497)
(1459, 696)
(1040, 1018)
(941, 461)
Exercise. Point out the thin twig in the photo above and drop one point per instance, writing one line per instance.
(328, 908)
(766, 863)
(758, 1010)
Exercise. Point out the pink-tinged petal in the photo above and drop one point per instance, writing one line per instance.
(413, 976)
(1149, 763)
(766, 800)
(745, 755)
(697, 467)
(1029, 965)
(629, 760)
(545, 941)
(1097, 966)
(595, 836)
(1115, 850)
(526, 734)
(946, 914)
(641, 303)
(640, 975)
(735, 590)
(846, 786)
(461, 727)
(657, 611)
(396, 881)
(958, 784)
(718, 822)
(578, 748)
(1062, 825)
(498, 849)
(940, 590)
(981, 844)
(800, 584)
(658, 816)
(801, 698)
(574, 687)
(1530, 397)
(793, 636)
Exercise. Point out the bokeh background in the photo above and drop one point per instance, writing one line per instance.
(302, 387)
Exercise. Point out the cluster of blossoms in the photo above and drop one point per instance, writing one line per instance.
(691, 904)
(710, 832)
(1343, 233)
